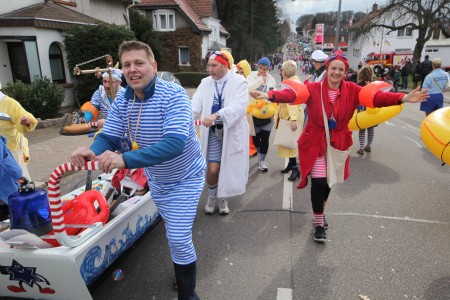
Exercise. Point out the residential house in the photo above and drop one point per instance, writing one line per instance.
(439, 45)
(31, 36)
(386, 41)
(189, 31)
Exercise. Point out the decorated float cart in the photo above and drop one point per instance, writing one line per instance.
(83, 241)
(58, 246)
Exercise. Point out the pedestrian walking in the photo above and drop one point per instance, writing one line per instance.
(221, 102)
(21, 122)
(261, 80)
(295, 115)
(244, 69)
(365, 76)
(436, 82)
(155, 118)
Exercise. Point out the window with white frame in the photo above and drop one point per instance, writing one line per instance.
(184, 55)
(213, 34)
(164, 20)
(405, 32)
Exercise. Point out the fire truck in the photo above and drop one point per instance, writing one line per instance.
(387, 59)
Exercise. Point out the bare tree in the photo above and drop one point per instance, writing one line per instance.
(425, 16)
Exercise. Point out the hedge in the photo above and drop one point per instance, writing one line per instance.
(190, 79)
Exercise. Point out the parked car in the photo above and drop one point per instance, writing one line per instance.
(167, 76)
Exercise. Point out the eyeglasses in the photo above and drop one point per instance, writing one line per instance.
(219, 53)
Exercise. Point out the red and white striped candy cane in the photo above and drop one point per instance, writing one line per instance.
(199, 122)
(54, 198)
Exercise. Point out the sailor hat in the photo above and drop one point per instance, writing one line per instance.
(319, 56)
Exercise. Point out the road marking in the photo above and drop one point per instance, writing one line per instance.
(414, 141)
(390, 218)
(284, 294)
(287, 192)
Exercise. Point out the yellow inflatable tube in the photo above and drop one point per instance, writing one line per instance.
(373, 116)
(435, 132)
(262, 109)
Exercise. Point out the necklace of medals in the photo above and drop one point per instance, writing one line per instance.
(134, 144)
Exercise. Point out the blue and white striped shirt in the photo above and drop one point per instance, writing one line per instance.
(165, 114)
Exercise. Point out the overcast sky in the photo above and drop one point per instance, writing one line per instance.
(296, 8)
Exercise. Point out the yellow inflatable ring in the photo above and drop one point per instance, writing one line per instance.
(373, 116)
(435, 133)
(262, 109)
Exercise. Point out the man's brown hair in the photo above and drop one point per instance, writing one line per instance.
(136, 45)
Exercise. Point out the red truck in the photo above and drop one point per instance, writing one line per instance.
(387, 59)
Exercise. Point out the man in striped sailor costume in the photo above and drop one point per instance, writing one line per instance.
(155, 117)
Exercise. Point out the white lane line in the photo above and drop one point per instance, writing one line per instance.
(287, 192)
(390, 218)
(284, 294)
(414, 141)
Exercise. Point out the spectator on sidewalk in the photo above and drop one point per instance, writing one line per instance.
(405, 71)
(436, 82)
(221, 101)
(425, 68)
(155, 118)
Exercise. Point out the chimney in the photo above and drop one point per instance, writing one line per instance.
(375, 7)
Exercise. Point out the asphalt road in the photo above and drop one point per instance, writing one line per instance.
(386, 238)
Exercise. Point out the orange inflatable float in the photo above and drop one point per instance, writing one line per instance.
(301, 91)
(435, 133)
(373, 116)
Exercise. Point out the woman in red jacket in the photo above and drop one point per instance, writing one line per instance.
(340, 99)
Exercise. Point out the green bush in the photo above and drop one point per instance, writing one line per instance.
(191, 79)
(102, 39)
(42, 98)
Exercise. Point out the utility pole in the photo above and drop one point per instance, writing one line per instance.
(338, 24)
(251, 39)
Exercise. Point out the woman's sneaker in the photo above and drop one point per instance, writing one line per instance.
(262, 166)
(319, 234)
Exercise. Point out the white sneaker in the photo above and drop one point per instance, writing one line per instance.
(262, 166)
(210, 205)
(223, 207)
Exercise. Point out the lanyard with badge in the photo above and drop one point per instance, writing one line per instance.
(218, 127)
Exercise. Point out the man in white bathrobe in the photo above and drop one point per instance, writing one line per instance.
(221, 102)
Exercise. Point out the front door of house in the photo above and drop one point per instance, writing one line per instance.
(18, 60)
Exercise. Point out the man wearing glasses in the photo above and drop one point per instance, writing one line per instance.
(221, 102)
(102, 98)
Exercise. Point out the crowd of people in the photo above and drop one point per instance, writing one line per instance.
(149, 124)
